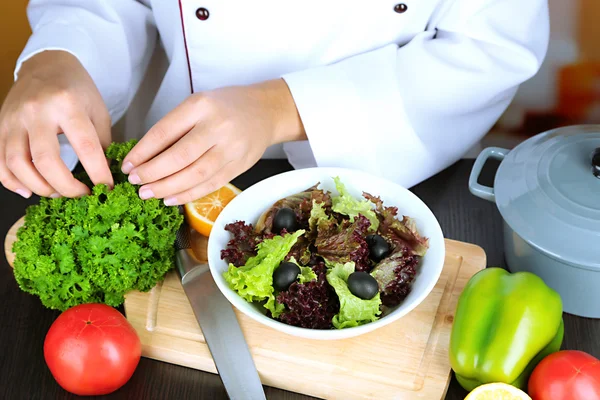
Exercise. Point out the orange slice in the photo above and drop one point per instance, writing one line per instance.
(497, 391)
(202, 213)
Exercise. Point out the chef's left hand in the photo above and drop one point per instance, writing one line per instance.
(211, 138)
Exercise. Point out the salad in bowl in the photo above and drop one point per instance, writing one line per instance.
(326, 253)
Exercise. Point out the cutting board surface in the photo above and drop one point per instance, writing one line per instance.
(407, 359)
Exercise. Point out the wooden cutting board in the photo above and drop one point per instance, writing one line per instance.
(405, 360)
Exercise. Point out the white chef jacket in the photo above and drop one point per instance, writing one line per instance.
(398, 88)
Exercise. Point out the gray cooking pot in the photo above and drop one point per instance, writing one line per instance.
(548, 194)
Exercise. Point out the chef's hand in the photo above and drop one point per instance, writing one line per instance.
(53, 94)
(211, 138)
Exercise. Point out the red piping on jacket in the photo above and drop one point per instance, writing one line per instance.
(187, 55)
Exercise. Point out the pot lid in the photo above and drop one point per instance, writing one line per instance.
(548, 191)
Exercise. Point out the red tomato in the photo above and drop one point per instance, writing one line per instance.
(566, 375)
(91, 349)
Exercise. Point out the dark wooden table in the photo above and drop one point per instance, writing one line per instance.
(24, 322)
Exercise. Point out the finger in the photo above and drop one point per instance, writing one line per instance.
(217, 181)
(18, 160)
(103, 125)
(179, 156)
(163, 134)
(85, 141)
(200, 171)
(9, 180)
(45, 153)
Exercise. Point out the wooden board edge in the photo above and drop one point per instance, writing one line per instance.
(477, 261)
(471, 260)
(477, 251)
(9, 239)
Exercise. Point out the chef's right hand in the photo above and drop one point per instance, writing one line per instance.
(53, 94)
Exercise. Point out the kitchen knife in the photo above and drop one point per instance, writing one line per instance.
(218, 323)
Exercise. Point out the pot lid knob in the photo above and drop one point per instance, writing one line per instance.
(596, 162)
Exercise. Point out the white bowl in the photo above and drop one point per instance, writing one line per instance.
(252, 202)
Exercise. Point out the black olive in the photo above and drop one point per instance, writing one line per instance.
(285, 218)
(362, 285)
(285, 275)
(378, 247)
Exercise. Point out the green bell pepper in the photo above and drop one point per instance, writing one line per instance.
(504, 325)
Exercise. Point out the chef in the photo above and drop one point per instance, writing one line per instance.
(399, 88)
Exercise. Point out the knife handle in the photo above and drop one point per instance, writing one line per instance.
(185, 263)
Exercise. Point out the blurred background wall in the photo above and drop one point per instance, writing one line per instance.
(14, 31)
(566, 90)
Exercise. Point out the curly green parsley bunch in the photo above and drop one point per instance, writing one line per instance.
(96, 248)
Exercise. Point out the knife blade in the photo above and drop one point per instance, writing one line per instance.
(218, 323)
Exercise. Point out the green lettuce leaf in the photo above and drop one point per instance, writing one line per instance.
(346, 204)
(354, 311)
(306, 275)
(274, 306)
(318, 217)
(254, 281)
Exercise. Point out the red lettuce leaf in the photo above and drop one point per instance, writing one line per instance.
(302, 251)
(310, 305)
(403, 234)
(243, 244)
(301, 203)
(395, 275)
(345, 242)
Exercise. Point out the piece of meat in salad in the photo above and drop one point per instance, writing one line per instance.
(322, 261)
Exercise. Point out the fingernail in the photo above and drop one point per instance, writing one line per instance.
(146, 193)
(170, 201)
(127, 167)
(24, 193)
(54, 196)
(134, 179)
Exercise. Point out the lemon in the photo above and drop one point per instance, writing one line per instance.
(497, 391)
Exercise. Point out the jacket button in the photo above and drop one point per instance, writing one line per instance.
(400, 8)
(202, 14)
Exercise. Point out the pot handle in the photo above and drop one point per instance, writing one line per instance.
(485, 192)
